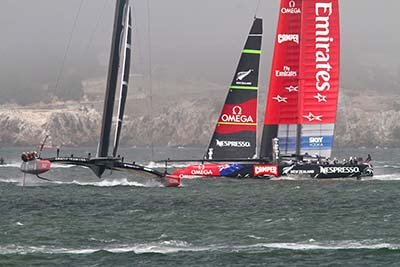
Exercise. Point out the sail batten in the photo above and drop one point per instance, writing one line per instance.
(235, 132)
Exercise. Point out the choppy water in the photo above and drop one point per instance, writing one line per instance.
(122, 221)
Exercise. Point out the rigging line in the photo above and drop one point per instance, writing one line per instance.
(150, 76)
(96, 26)
(258, 5)
(68, 46)
(138, 45)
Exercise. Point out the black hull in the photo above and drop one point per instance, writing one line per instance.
(326, 171)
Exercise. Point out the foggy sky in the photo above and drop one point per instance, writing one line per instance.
(190, 38)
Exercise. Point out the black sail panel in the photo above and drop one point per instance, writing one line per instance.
(112, 78)
(126, 59)
(235, 133)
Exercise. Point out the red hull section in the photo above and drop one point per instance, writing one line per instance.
(236, 170)
(198, 170)
(36, 166)
(172, 181)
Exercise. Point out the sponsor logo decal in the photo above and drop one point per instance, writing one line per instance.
(280, 99)
(242, 75)
(316, 141)
(232, 143)
(286, 72)
(288, 38)
(323, 11)
(292, 88)
(339, 170)
(201, 170)
(292, 9)
(302, 171)
(265, 170)
(237, 116)
(312, 117)
(320, 98)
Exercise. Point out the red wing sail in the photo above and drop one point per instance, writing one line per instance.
(319, 68)
(235, 133)
(281, 114)
(303, 92)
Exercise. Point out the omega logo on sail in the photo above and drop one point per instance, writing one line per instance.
(237, 116)
(292, 9)
(323, 11)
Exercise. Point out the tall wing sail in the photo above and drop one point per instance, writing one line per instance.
(112, 78)
(125, 68)
(319, 68)
(235, 133)
(281, 114)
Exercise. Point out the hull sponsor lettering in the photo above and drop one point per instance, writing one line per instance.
(265, 170)
(302, 172)
(343, 170)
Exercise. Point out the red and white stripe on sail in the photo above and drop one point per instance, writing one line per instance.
(319, 70)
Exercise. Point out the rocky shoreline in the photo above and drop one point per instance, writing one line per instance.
(366, 122)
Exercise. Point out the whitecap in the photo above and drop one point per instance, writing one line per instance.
(106, 183)
(175, 246)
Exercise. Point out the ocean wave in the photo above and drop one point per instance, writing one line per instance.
(330, 245)
(99, 183)
(163, 247)
(111, 183)
(11, 165)
(10, 180)
(383, 177)
(175, 246)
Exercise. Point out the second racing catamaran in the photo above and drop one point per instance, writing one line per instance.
(300, 113)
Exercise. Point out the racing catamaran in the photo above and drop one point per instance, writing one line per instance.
(300, 113)
(119, 64)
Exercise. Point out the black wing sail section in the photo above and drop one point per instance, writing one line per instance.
(112, 78)
(126, 61)
(235, 133)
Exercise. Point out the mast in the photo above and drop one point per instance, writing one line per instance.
(125, 68)
(112, 78)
